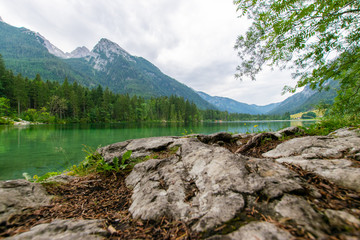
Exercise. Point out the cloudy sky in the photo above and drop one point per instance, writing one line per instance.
(189, 40)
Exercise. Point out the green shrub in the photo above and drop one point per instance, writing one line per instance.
(5, 121)
(4, 106)
(308, 115)
(94, 162)
(331, 123)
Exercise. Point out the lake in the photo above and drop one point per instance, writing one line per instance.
(38, 149)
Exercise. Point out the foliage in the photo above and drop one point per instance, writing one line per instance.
(319, 38)
(123, 165)
(186, 132)
(58, 105)
(4, 106)
(348, 98)
(5, 121)
(308, 115)
(309, 33)
(331, 123)
(40, 179)
(41, 115)
(94, 162)
(51, 102)
(44, 177)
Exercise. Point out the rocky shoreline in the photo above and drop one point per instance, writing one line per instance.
(278, 185)
(18, 122)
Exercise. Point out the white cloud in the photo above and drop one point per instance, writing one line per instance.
(191, 41)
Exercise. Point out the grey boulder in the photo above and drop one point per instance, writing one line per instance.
(65, 230)
(19, 195)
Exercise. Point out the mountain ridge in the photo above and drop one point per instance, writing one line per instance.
(233, 106)
(307, 99)
(28, 53)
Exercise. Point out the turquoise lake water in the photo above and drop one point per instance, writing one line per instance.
(38, 149)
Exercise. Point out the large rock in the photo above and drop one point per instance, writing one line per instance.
(339, 171)
(324, 155)
(342, 220)
(332, 146)
(204, 184)
(140, 147)
(299, 210)
(196, 185)
(211, 188)
(256, 231)
(65, 230)
(289, 131)
(17, 195)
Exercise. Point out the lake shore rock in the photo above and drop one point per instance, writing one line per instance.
(18, 122)
(17, 196)
(307, 186)
(65, 230)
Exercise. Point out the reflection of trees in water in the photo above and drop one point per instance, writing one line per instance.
(301, 123)
(39, 149)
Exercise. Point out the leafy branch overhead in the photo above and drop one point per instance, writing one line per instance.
(319, 39)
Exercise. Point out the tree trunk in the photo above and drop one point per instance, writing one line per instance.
(18, 108)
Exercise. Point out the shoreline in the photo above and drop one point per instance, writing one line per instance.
(271, 164)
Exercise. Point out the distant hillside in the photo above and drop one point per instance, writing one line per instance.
(306, 99)
(24, 52)
(303, 101)
(232, 106)
(29, 53)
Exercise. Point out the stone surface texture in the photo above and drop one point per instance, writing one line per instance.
(341, 220)
(331, 156)
(207, 186)
(256, 231)
(19, 195)
(298, 209)
(65, 230)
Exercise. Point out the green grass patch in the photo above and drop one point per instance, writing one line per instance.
(332, 123)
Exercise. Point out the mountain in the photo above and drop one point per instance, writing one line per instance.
(107, 64)
(299, 102)
(232, 106)
(125, 73)
(307, 99)
(29, 53)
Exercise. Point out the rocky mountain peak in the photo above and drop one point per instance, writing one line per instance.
(109, 48)
(105, 51)
(80, 52)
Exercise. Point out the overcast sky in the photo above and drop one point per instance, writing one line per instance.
(189, 40)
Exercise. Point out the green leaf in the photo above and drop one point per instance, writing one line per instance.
(126, 156)
(116, 163)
